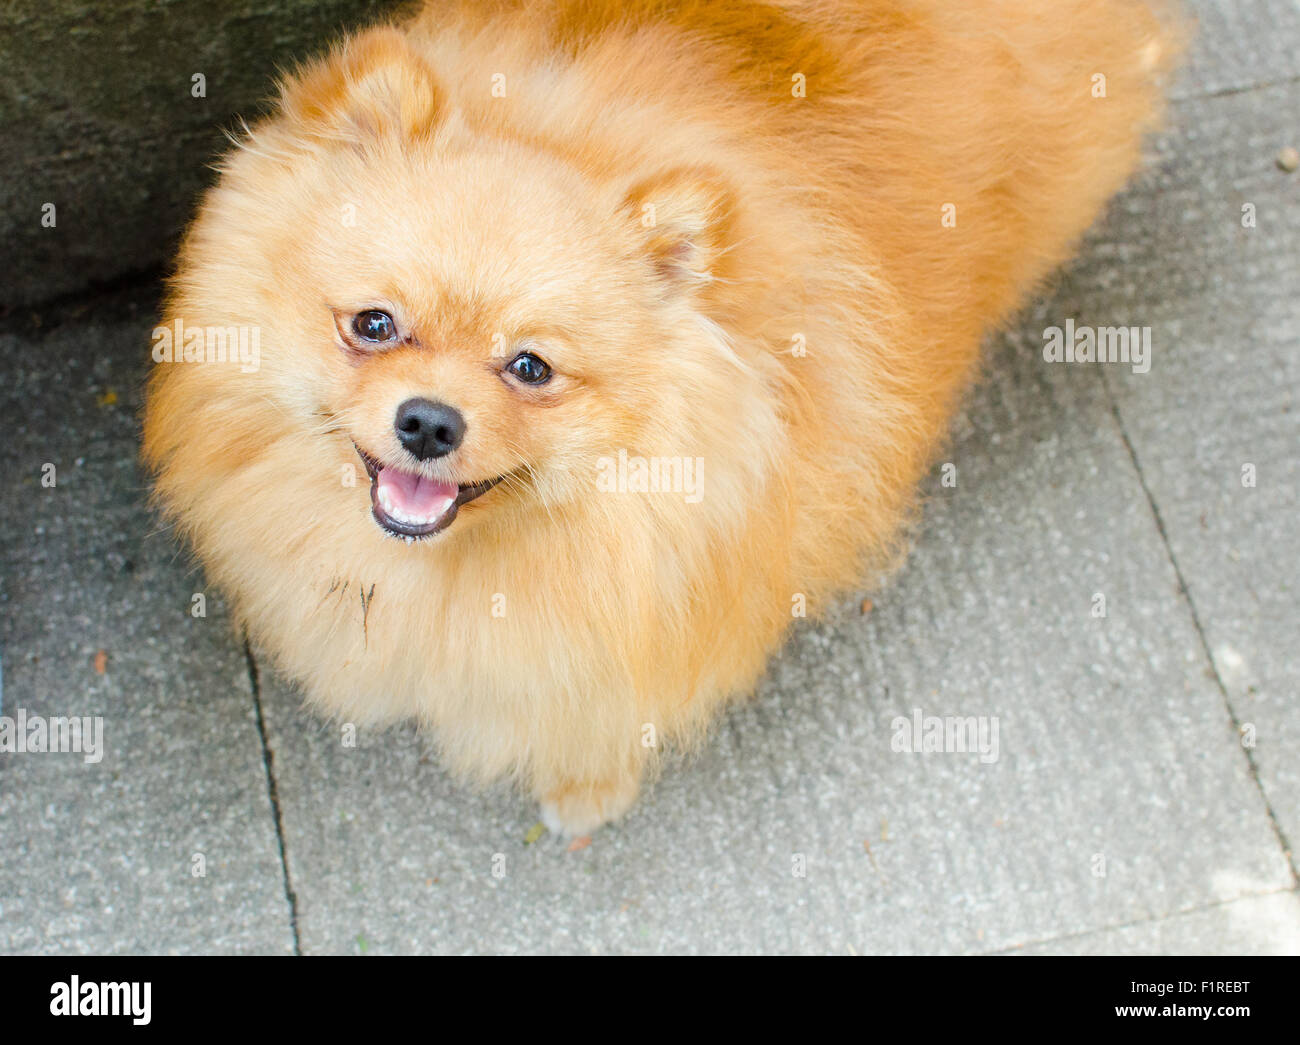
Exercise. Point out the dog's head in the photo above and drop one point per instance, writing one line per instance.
(474, 319)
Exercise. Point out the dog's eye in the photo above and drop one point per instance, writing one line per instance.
(529, 369)
(374, 326)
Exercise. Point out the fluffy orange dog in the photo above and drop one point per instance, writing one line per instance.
(642, 320)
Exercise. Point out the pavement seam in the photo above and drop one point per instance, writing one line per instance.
(1252, 764)
(1153, 919)
(273, 793)
(1227, 92)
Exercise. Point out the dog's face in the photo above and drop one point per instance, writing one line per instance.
(480, 319)
(471, 330)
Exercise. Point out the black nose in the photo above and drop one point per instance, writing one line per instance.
(429, 429)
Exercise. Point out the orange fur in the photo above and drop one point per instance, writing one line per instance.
(797, 317)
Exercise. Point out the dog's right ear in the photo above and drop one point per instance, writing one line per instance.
(373, 86)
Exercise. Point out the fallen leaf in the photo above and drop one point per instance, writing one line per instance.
(101, 662)
(578, 844)
(108, 398)
(534, 833)
(868, 605)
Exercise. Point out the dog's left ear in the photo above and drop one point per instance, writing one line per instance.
(685, 218)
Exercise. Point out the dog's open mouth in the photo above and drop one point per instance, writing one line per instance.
(409, 505)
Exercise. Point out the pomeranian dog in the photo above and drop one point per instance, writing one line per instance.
(597, 339)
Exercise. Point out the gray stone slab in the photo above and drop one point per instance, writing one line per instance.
(1121, 794)
(71, 400)
(1240, 44)
(1256, 925)
(99, 857)
(1223, 302)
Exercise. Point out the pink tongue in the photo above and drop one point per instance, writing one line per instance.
(415, 496)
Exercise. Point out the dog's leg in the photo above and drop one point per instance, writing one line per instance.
(577, 807)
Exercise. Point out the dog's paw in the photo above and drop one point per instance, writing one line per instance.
(575, 811)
